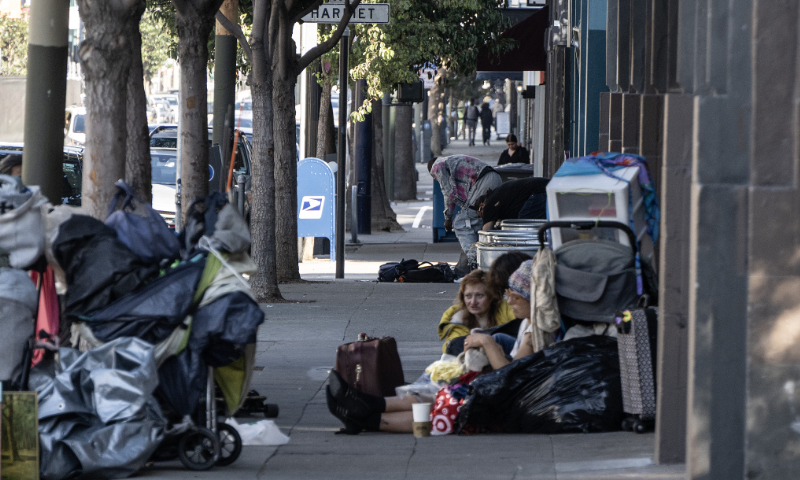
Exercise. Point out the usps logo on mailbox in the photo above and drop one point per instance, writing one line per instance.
(311, 208)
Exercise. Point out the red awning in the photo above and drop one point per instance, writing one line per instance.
(528, 54)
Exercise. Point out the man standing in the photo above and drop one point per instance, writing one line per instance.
(471, 119)
(463, 180)
(515, 153)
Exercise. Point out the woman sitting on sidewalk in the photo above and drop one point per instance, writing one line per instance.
(452, 325)
(360, 411)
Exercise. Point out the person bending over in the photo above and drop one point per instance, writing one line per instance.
(463, 180)
(515, 153)
(523, 198)
(11, 165)
(360, 411)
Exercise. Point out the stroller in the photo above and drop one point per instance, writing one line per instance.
(602, 281)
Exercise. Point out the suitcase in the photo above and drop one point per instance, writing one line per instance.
(371, 365)
(637, 332)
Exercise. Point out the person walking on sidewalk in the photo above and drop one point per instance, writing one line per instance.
(471, 119)
(463, 180)
(486, 123)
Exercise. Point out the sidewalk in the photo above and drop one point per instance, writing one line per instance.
(296, 349)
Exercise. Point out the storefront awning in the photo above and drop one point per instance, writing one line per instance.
(528, 54)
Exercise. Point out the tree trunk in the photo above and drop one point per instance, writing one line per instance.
(383, 217)
(194, 25)
(435, 114)
(323, 129)
(137, 155)
(106, 59)
(405, 181)
(262, 217)
(285, 178)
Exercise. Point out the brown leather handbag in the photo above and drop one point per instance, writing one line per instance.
(371, 365)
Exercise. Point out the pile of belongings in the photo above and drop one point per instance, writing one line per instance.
(146, 311)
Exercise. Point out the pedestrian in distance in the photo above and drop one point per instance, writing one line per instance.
(486, 123)
(515, 153)
(471, 119)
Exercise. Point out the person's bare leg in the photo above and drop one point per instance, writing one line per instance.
(397, 404)
(400, 422)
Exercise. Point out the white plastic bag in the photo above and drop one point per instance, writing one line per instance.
(262, 432)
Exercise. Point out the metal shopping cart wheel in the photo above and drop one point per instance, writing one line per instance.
(230, 444)
(199, 449)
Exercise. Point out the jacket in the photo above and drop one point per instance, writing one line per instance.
(448, 331)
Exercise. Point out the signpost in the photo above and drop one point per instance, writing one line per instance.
(365, 13)
(374, 13)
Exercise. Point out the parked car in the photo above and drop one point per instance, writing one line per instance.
(75, 126)
(71, 167)
(163, 154)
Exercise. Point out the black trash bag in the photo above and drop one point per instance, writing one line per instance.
(201, 219)
(220, 331)
(97, 416)
(153, 312)
(570, 387)
(99, 268)
(182, 382)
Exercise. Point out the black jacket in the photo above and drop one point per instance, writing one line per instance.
(521, 155)
(486, 117)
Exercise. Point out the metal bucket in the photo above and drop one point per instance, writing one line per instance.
(522, 224)
(488, 253)
(524, 237)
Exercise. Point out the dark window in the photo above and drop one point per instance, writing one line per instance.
(79, 124)
(71, 182)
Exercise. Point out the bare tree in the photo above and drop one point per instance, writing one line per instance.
(106, 56)
(137, 154)
(194, 20)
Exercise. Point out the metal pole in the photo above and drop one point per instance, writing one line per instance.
(46, 96)
(341, 171)
(363, 154)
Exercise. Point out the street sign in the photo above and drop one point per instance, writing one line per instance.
(316, 216)
(427, 75)
(365, 13)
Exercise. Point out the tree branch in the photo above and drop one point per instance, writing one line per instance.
(236, 30)
(325, 46)
(298, 15)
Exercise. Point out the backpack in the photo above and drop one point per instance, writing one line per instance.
(439, 273)
(389, 272)
(473, 113)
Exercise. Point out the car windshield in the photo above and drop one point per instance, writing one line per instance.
(80, 126)
(163, 168)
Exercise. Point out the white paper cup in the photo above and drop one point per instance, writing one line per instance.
(421, 411)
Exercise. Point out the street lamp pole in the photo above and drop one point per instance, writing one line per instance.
(340, 153)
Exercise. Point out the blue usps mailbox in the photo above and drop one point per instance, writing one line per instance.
(316, 201)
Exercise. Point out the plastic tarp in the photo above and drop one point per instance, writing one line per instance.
(17, 305)
(152, 313)
(99, 268)
(219, 337)
(98, 417)
(570, 387)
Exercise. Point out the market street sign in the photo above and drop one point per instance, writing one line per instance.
(365, 13)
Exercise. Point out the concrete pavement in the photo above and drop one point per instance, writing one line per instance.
(296, 349)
